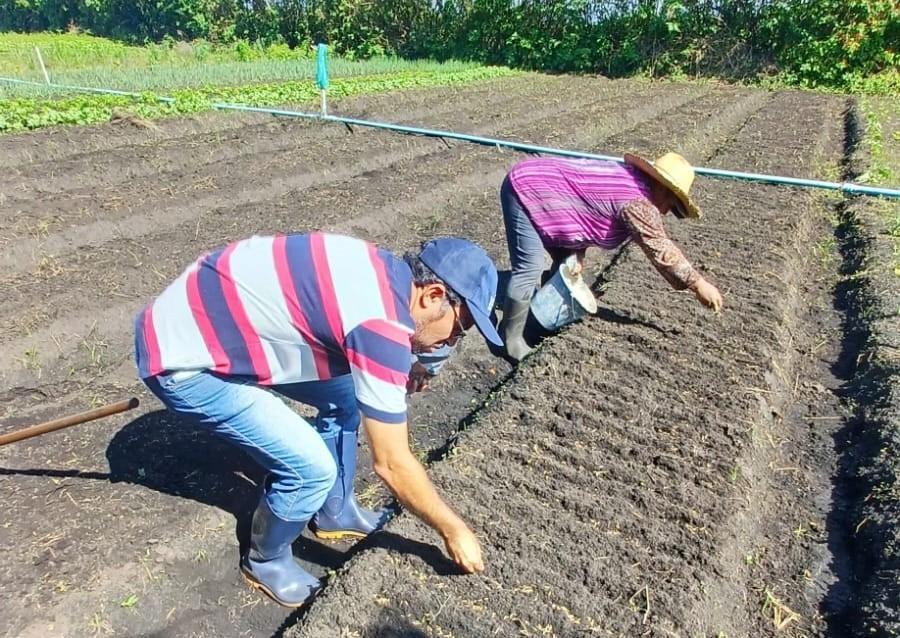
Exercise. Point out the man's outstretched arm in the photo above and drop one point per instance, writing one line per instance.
(395, 464)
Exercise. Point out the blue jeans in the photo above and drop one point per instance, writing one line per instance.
(292, 450)
(526, 249)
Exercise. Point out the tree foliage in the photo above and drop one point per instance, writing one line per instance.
(810, 42)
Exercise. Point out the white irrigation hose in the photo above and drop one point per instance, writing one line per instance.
(844, 187)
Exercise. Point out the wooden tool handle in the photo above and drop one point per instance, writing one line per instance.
(68, 421)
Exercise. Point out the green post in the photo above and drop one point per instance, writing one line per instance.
(322, 74)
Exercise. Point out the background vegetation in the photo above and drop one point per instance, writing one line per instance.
(839, 44)
(26, 107)
(193, 75)
(86, 60)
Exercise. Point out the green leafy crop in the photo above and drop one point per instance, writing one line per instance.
(19, 114)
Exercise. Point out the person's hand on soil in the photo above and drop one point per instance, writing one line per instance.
(708, 295)
(464, 549)
(419, 378)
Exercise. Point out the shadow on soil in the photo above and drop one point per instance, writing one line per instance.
(161, 452)
(165, 454)
(432, 555)
(390, 624)
(848, 442)
(858, 540)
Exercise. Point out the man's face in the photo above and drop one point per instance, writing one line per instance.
(438, 322)
(664, 199)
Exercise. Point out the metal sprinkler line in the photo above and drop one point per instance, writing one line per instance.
(844, 187)
(89, 89)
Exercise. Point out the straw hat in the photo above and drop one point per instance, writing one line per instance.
(672, 171)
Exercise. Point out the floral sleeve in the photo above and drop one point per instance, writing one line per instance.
(647, 231)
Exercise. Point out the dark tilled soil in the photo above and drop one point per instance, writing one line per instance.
(640, 475)
(869, 295)
(654, 470)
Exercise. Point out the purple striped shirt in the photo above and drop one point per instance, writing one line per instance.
(578, 203)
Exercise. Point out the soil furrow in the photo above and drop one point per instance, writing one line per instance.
(150, 167)
(664, 559)
(155, 200)
(167, 160)
(68, 331)
(489, 208)
(613, 478)
(759, 537)
(857, 570)
(61, 144)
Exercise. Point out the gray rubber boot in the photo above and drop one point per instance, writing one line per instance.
(512, 328)
(269, 564)
(341, 516)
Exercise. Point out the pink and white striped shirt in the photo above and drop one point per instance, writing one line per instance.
(288, 309)
(577, 203)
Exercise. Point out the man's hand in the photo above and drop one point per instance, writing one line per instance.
(464, 549)
(406, 478)
(708, 295)
(419, 378)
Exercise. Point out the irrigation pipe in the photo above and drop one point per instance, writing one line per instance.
(844, 187)
(88, 89)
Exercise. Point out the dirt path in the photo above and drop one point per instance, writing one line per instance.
(635, 444)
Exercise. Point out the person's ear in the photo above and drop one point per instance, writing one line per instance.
(433, 296)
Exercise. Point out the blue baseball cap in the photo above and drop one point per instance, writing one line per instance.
(470, 273)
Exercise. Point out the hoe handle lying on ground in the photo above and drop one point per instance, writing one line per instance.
(68, 421)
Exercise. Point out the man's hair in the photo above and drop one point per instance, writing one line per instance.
(423, 276)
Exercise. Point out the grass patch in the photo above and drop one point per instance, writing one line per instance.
(65, 52)
(84, 60)
(882, 170)
(882, 138)
(886, 83)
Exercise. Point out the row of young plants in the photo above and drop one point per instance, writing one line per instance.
(163, 78)
(25, 113)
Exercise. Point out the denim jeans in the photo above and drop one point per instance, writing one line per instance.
(292, 450)
(526, 249)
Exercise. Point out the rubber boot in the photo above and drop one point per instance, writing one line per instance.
(512, 328)
(269, 565)
(341, 516)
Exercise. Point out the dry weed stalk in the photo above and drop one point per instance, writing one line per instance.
(781, 614)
